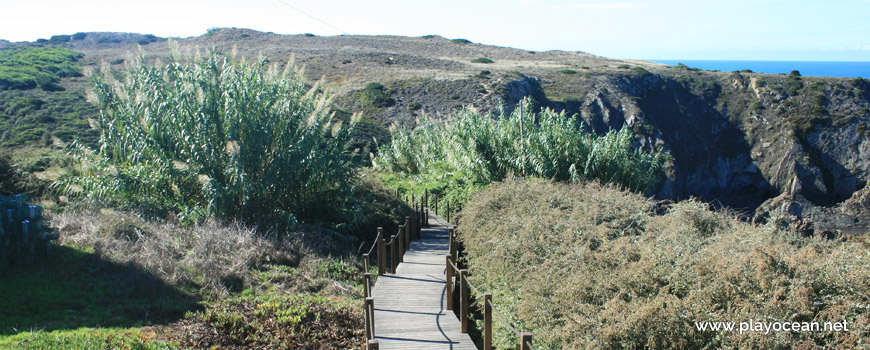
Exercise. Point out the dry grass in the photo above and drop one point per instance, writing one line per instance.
(587, 266)
(216, 257)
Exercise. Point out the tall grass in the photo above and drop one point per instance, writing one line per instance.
(216, 136)
(469, 151)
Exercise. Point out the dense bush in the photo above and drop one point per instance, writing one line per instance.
(470, 151)
(214, 137)
(482, 60)
(41, 67)
(374, 95)
(589, 266)
(35, 116)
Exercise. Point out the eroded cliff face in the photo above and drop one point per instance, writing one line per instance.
(746, 141)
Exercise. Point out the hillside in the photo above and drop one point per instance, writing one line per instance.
(754, 142)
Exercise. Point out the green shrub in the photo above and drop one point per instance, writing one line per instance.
(374, 95)
(460, 41)
(641, 70)
(623, 66)
(41, 67)
(482, 60)
(589, 266)
(213, 137)
(568, 71)
(59, 39)
(793, 85)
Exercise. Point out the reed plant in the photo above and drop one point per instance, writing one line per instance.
(214, 135)
(471, 150)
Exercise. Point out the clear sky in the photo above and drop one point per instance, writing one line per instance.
(643, 29)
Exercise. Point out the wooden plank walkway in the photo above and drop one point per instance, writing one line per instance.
(410, 306)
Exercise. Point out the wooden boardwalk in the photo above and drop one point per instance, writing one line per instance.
(410, 306)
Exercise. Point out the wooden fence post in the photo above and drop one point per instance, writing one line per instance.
(373, 345)
(401, 243)
(448, 211)
(367, 284)
(370, 317)
(450, 242)
(408, 233)
(463, 301)
(525, 341)
(382, 252)
(419, 224)
(394, 251)
(449, 293)
(421, 216)
(487, 321)
(365, 263)
(436, 204)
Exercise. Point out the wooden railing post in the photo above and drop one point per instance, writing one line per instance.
(525, 341)
(401, 244)
(419, 224)
(408, 233)
(463, 301)
(421, 216)
(436, 204)
(449, 283)
(366, 263)
(367, 284)
(373, 345)
(382, 253)
(450, 241)
(370, 317)
(394, 251)
(487, 321)
(448, 211)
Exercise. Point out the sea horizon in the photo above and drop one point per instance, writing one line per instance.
(836, 69)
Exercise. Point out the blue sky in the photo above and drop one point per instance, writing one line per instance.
(641, 29)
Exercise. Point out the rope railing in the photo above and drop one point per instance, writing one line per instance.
(455, 274)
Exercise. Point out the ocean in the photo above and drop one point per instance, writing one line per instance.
(843, 69)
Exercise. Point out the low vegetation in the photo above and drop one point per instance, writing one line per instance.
(470, 151)
(41, 67)
(592, 266)
(160, 285)
(37, 117)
